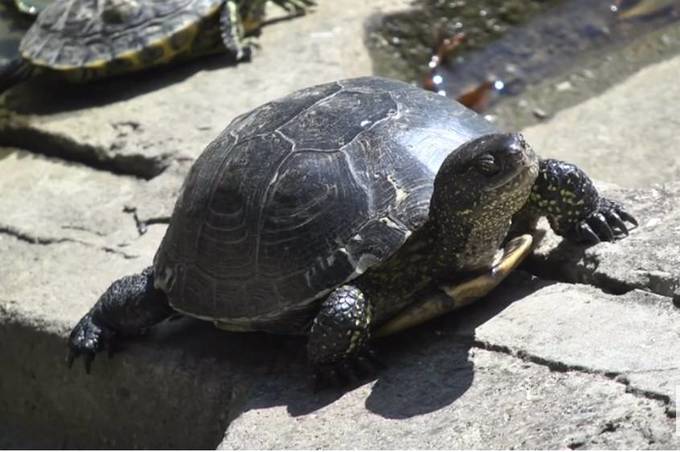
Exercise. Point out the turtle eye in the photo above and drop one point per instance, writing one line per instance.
(486, 165)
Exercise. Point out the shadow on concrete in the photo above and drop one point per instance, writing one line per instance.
(182, 385)
(428, 368)
(49, 95)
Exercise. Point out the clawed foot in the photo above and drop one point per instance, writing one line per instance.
(606, 224)
(345, 372)
(87, 339)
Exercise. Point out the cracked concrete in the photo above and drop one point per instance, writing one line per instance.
(649, 259)
(582, 355)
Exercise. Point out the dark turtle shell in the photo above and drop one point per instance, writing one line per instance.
(303, 194)
(82, 34)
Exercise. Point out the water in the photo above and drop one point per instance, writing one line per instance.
(517, 44)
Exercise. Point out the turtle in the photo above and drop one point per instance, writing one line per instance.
(81, 40)
(334, 211)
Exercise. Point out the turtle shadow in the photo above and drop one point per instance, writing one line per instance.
(428, 368)
(186, 382)
(50, 95)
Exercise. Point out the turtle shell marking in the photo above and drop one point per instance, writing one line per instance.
(74, 34)
(301, 195)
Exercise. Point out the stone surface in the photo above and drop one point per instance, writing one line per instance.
(539, 364)
(648, 259)
(442, 394)
(627, 135)
(633, 338)
(48, 200)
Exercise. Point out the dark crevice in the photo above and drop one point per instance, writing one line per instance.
(557, 366)
(35, 240)
(15, 132)
(143, 225)
(582, 268)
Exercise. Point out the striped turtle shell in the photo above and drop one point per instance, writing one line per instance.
(303, 194)
(105, 34)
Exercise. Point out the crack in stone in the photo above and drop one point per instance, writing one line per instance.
(83, 229)
(32, 239)
(45, 241)
(143, 225)
(585, 272)
(16, 131)
(557, 366)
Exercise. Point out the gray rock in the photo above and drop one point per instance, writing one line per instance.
(648, 259)
(442, 394)
(539, 364)
(627, 135)
(48, 200)
(630, 338)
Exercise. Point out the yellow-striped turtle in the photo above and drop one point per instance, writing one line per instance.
(87, 39)
(328, 212)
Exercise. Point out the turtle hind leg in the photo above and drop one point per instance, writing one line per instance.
(15, 72)
(337, 346)
(129, 306)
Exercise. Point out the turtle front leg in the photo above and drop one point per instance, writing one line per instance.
(240, 19)
(128, 307)
(233, 32)
(337, 345)
(566, 196)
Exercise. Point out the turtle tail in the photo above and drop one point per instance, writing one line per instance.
(16, 71)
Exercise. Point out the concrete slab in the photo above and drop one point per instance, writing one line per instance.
(649, 259)
(444, 395)
(627, 135)
(632, 338)
(539, 372)
(48, 200)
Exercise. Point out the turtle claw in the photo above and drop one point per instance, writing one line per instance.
(86, 340)
(599, 223)
(616, 222)
(606, 224)
(584, 233)
(626, 216)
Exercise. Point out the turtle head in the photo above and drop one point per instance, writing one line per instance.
(478, 188)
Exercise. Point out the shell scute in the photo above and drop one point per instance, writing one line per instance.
(97, 32)
(304, 194)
